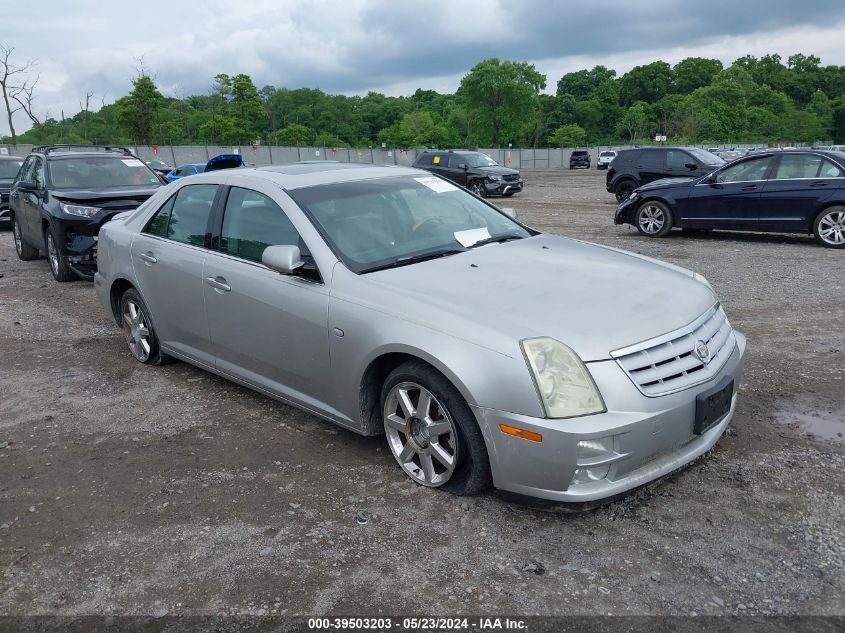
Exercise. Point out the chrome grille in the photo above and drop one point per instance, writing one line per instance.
(670, 362)
(510, 177)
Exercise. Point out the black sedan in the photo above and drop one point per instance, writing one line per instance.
(783, 192)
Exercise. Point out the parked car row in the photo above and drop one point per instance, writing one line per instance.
(774, 191)
(390, 301)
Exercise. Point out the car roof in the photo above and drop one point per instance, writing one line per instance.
(299, 175)
(72, 154)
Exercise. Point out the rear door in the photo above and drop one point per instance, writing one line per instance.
(799, 187)
(266, 328)
(168, 257)
(732, 201)
(18, 199)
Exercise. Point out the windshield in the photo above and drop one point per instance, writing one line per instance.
(705, 157)
(101, 172)
(375, 223)
(9, 168)
(479, 160)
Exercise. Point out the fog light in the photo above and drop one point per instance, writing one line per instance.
(590, 450)
(586, 475)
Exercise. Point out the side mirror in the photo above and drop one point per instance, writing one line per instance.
(463, 166)
(711, 178)
(511, 213)
(691, 166)
(283, 259)
(28, 185)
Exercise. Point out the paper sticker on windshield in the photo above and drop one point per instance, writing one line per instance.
(132, 162)
(471, 236)
(435, 184)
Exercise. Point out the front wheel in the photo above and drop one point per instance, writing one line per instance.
(25, 252)
(58, 262)
(478, 189)
(432, 432)
(653, 219)
(829, 227)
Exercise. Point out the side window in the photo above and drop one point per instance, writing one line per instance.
(38, 173)
(158, 225)
(425, 161)
(189, 216)
(798, 166)
(829, 170)
(754, 169)
(456, 160)
(251, 223)
(676, 159)
(26, 169)
(652, 158)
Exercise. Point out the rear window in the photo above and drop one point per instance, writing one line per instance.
(606, 154)
(580, 153)
(627, 155)
(9, 168)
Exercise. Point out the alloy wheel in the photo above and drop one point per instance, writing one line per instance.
(52, 253)
(832, 228)
(16, 233)
(421, 434)
(652, 219)
(478, 189)
(136, 330)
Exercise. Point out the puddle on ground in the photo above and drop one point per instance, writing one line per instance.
(824, 424)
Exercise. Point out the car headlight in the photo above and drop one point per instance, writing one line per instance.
(702, 279)
(563, 382)
(82, 211)
(494, 177)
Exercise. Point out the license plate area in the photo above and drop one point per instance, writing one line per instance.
(711, 406)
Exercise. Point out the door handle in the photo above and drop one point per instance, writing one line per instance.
(218, 283)
(148, 257)
(750, 188)
(819, 184)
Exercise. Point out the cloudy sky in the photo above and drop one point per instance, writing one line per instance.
(392, 46)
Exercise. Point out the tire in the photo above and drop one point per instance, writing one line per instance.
(508, 194)
(135, 320)
(25, 252)
(478, 188)
(58, 262)
(414, 436)
(623, 189)
(653, 219)
(829, 227)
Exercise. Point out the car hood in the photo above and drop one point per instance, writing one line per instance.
(224, 161)
(666, 182)
(497, 169)
(592, 298)
(114, 193)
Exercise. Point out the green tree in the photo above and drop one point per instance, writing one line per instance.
(500, 98)
(821, 106)
(137, 111)
(568, 136)
(636, 123)
(647, 83)
(294, 135)
(695, 72)
(582, 84)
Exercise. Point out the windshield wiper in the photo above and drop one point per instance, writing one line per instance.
(505, 237)
(413, 259)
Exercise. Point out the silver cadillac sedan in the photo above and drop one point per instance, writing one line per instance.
(390, 301)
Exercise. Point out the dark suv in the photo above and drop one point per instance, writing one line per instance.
(63, 194)
(9, 166)
(476, 171)
(579, 158)
(635, 167)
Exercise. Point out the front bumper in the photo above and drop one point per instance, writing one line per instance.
(650, 437)
(502, 187)
(625, 211)
(580, 163)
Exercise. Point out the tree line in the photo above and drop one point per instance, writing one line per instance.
(498, 102)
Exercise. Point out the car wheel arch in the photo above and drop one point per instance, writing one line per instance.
(815, 216)
(118, 287)
(379, 367)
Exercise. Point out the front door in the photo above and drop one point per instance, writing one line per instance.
(266, 328)
(730, 201)
(168, 257)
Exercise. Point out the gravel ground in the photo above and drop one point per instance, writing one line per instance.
(126, 489)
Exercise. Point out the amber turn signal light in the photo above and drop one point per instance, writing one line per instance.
(531, 436)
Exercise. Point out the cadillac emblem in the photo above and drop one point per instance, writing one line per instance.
(702, 351)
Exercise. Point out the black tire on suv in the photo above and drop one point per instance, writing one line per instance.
(623, 189)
